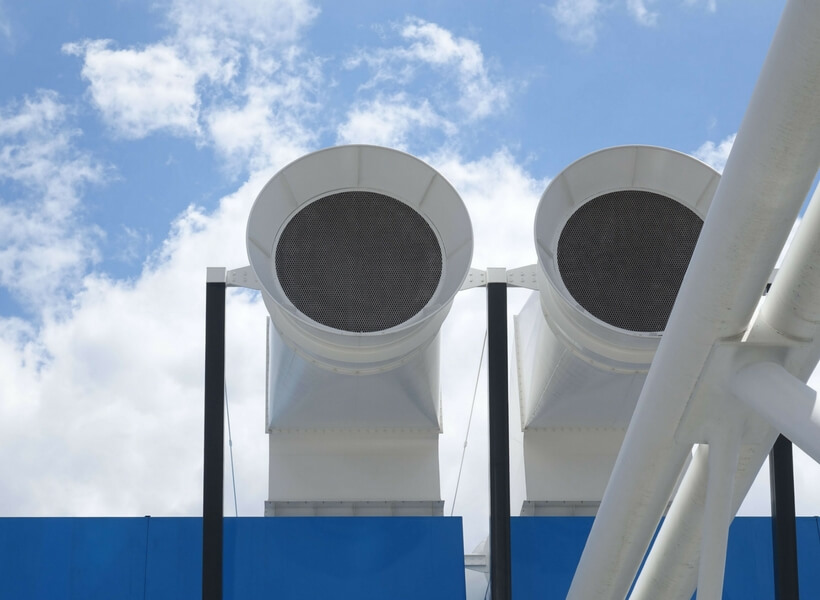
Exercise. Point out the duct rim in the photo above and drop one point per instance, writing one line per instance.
(358, 261)
(648, 170)
(622, 257)
(364, 170)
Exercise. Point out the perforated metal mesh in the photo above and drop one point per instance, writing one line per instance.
(358, 261)
(623, 256)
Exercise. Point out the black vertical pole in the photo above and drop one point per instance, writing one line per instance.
(500, 569)
(784, 529)
(214, 436)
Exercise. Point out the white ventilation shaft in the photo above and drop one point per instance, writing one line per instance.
(359, 251)
(614, 234)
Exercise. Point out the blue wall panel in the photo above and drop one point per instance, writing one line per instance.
(545, 551)
(174, 567)
(282, 558)
(72, 558)
(362, 558)
(346, 558)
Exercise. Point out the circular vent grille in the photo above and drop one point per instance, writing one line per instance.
(623, 256)
(358, 261)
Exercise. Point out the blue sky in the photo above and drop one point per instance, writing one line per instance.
(134, 137)
(550, 83)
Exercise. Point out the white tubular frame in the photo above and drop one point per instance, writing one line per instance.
(767, 177)
(791, 310)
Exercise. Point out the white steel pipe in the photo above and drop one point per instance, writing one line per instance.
(790, 309)
(671, 568)
(787, 403)
(767, 176)
(793, 305)
(717, 512)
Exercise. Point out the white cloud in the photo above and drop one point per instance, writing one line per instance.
(265, 22)
(44, 249)
(270, 124)
(578, 20)
(140, 91)
(715, 155)
(710, 5)
(389, 122)
(102, 407)
(242, 49)
(642, 15)
(459, 60)
(106, 402)
(434, 45)
(501, 197)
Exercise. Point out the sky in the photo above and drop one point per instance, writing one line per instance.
(134, 137)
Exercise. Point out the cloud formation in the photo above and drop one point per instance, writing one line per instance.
(229, 74)
(390, 121)
(140, 91)
(44, 247)
(106, 408)
(452, 83)
(639, 11)
(580, 21)
(715, 155)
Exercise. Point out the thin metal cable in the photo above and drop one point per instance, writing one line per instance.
(230, 449)
(469, 423)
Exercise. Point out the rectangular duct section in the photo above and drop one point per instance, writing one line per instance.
(346, 444)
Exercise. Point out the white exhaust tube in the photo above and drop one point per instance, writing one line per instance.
(359, 251)
(614, 233)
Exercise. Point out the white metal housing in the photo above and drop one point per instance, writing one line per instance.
(580, 376)
(353, 410)
(359, 168)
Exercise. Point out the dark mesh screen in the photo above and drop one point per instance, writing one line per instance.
(623, 256)
(358, 261)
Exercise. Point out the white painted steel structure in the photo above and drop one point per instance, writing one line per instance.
(354, 416)
(710, 341)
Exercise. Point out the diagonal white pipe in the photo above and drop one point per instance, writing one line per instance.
(792, 307)
(767, 176)
(717, 512)
(791, 310)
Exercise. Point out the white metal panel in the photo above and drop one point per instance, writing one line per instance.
(306, 396)
(570, 464)
(559, 387)
(339, 466)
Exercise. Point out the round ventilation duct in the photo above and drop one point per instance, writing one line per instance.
(615, 232)
(614, 235)
(360, 251)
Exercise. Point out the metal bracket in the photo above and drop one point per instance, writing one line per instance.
(523, 277)
(244, 277)
(475, 278)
